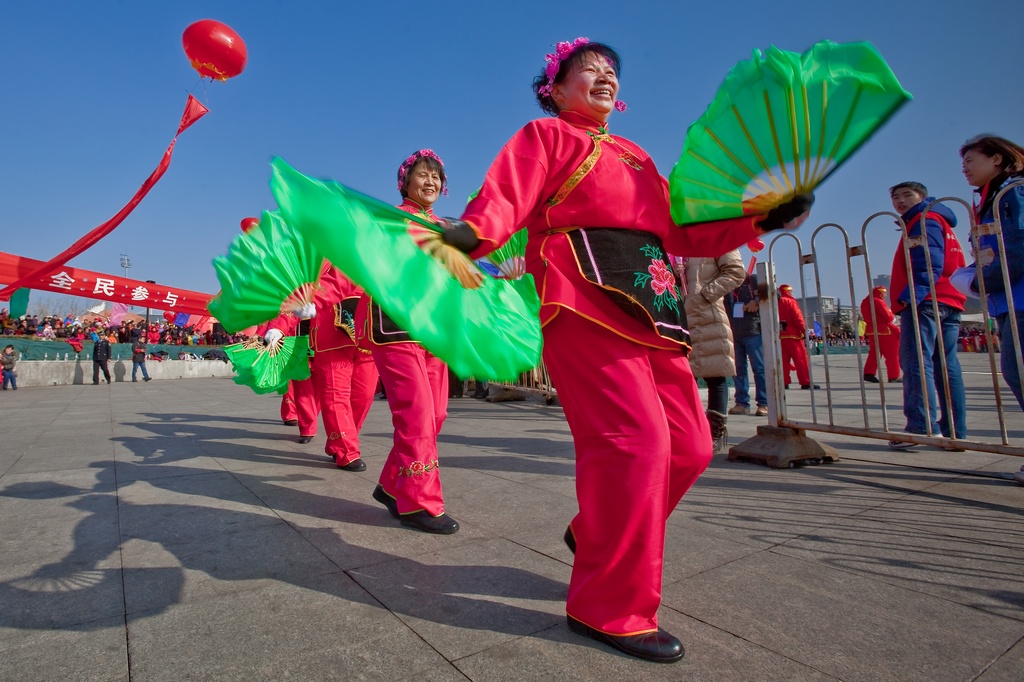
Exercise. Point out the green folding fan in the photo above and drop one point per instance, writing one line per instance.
(269, 368)
(780, 124)
(267, 271)
(484, 327)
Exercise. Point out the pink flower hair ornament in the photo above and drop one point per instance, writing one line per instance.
(409, 163)
(562, 52)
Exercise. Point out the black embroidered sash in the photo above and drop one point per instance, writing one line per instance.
(383, 329)
(345, 316)
(632, 268)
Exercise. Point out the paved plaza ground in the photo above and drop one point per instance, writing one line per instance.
(176, 531)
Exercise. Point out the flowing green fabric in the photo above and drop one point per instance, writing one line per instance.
(491, 332)
(265, 270)
(265, 371)
(780, 124)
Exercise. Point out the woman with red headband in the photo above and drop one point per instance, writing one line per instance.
(416, 382)
(615, 341)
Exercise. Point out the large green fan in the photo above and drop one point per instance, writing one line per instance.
(510, 257)
(267, 271)
(269, 368)
(779, 125)
(487, 328)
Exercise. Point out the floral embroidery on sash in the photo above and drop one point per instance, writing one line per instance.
(660, 277)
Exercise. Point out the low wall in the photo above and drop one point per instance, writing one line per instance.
(66, 372)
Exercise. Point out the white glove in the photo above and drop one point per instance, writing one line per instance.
(305, 311)
(273, 336)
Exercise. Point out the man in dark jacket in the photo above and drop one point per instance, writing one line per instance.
(742, 307)
(139, 358)
(100, 357)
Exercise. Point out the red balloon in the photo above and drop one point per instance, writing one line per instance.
(214, 49)
(249, 224)
(169, 316)
(755, 245)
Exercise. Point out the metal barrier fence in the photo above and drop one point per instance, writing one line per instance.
(536, 381)
(834, 408)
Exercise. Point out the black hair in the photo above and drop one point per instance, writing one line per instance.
(432, 164)
(990, 145)
(911, 185)
(578, 56)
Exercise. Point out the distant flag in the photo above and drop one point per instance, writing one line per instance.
(181, 320)
(817, 328)
(97, 309)
(118, 313)
(19, 302)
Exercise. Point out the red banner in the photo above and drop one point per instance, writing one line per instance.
(75, 282)
(194, 110)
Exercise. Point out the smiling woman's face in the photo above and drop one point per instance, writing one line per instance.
(590, 88)
(424, 184)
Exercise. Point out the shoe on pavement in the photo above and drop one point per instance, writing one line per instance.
(659, 647)
(807, 387)
(570, 539)
(148, 379)
(761, 411)
(897, 380)
(386, 500)
(739, 409)
(439, 525)
(304, 439)
(355, 465)
(290, 422)
(901, 445)
(871, 378)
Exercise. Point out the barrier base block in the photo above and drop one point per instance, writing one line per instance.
(780, 448)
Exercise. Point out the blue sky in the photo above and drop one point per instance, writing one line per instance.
(347, 90)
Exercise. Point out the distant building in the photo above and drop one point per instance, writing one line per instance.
(882, 281)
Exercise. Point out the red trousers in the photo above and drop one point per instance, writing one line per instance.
(288, 411)
(307, 408)
(794, 351)
(641, 441)
(889, 345)
(344, 381)
(416, 384)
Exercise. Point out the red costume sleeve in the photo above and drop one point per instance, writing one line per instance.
(539, 159)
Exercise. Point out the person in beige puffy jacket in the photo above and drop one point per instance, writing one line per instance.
(707, 282)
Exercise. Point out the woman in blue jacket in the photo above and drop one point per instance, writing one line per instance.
(992, 164)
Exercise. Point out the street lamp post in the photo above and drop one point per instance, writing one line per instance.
(148, 281)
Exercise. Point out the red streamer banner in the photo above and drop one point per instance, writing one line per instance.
(194, 110)
(75, 282)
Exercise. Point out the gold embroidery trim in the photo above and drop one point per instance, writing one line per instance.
(581, 172)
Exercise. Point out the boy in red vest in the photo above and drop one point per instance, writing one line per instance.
(916, 289)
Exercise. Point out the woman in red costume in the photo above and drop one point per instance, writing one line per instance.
(615, 341)
(343, 375)
(416, 382)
